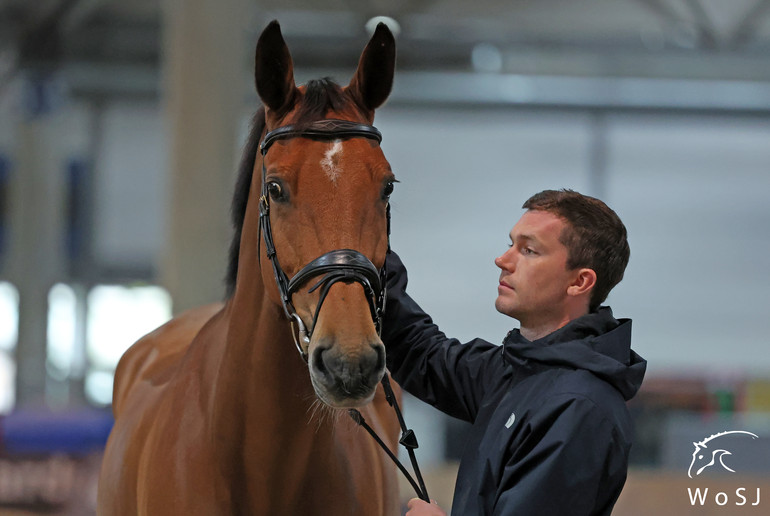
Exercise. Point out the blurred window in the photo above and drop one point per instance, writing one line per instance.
(9, 332)
(117, 317)
(9, 316)
(62, 320)
(98, 387)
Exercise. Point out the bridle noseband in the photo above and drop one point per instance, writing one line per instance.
(340, 265)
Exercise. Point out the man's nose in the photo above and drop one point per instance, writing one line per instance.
(506, 261)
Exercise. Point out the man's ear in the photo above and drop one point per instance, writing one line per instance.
(583, 282)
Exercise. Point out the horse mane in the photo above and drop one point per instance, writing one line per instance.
(320, 97)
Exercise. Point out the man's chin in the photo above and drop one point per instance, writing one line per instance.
(505, 307)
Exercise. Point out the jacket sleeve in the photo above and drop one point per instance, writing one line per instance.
(439, 370)
(570, 462)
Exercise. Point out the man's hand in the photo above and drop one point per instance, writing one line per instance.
(419, 507)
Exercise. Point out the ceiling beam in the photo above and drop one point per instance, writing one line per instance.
(460, 88)
(80, 13)
(708, 38)
(749, 25)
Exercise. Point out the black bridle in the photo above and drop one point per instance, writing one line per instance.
(345, 265)
(340, 265)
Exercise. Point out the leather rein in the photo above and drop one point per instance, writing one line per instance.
(340, 265)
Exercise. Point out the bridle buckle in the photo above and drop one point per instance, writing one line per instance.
(299, 332)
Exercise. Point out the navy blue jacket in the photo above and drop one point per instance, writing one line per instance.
(551, 432)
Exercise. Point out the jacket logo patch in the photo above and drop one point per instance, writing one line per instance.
(511, 419)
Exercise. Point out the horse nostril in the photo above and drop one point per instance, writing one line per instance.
(318, 361)
(379, 349)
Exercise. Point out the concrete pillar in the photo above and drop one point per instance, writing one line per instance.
(202, 92)
(36, 226)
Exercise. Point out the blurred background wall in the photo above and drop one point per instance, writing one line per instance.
(121, 124)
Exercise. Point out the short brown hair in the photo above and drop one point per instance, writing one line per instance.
(595, 237)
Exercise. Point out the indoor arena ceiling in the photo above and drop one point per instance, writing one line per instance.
(687, 39)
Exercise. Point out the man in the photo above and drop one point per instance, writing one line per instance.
(551, 432)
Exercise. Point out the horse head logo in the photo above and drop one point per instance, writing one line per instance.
(706, 455)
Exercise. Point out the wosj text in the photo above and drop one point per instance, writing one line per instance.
(701, 497)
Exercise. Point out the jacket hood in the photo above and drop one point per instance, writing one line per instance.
(596, 342)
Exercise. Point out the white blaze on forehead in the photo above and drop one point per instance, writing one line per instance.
(331, 159)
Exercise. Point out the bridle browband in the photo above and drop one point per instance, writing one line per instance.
(340, 265)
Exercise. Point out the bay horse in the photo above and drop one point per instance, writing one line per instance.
(215, 412)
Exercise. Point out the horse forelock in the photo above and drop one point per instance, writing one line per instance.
(318, 98)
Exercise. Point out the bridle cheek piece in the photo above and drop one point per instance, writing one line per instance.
(340, 265)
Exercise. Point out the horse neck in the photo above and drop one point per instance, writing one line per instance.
(262, 387)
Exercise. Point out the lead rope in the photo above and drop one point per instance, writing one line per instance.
(408, 440)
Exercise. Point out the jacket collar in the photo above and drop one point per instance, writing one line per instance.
(596, 342)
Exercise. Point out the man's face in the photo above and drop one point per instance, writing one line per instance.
(534, 276)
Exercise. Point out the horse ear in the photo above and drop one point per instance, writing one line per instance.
(373, 80)
(273, 69)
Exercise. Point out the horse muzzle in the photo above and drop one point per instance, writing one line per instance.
(346, 379)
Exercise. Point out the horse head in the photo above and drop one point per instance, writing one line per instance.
(326, 194)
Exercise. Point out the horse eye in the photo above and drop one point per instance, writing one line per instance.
(387, 190)
(275, 190)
